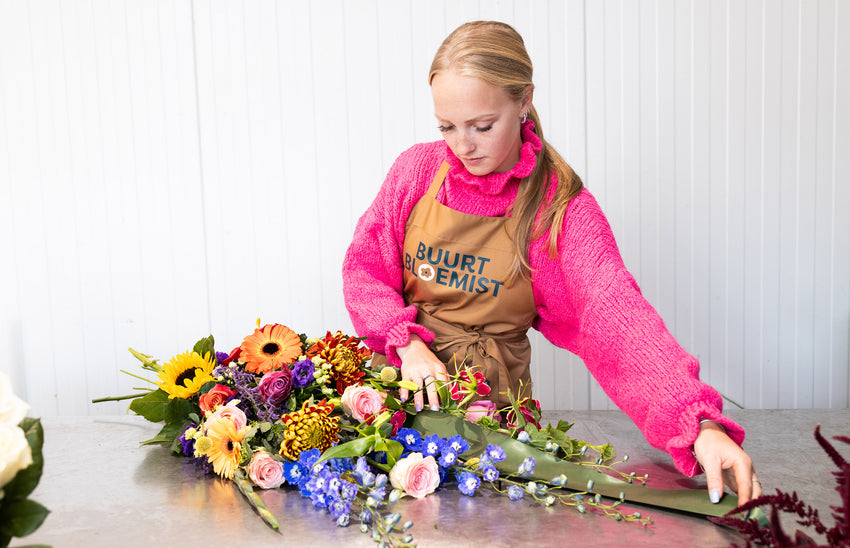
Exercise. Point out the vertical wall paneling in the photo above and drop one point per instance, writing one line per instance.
(171, 169)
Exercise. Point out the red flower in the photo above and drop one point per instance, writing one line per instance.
(466, 384)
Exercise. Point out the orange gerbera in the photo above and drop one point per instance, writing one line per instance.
(345, 355)
(226, 449)
(270, 348)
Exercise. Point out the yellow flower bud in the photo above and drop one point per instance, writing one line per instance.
(202, 445)
(410, 385)
(388, 373)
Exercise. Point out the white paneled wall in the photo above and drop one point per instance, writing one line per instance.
(170, 169)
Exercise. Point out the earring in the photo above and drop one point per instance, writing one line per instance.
(524, 117)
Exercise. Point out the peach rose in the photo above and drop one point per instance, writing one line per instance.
(264, 471)
(362, 402)
(416, 475)
(231, 413)
(215, 397)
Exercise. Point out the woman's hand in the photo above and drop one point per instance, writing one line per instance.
(420, 365)
(725, 462)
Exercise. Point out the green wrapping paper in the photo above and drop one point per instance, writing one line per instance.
(694, 501)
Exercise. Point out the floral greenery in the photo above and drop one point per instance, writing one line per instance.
(773, 534)
(21, 464)
(284, 409)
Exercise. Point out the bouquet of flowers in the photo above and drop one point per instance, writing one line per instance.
(284, 410)
(21, 439)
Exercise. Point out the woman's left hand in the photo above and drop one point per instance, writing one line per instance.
(724, 461)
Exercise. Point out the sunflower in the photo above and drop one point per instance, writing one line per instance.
(311, 426)
(345, 355)
(270, 348)
(225, 450)
(185, 374)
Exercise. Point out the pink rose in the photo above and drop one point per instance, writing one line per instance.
(215, 397)
(362, 402)
(232, 413)
(275, 386)
(416, 475)
(481, 408)
(264, 471)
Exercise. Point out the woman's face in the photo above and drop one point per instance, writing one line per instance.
(479, 121)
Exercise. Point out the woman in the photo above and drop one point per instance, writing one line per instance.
(474, 239)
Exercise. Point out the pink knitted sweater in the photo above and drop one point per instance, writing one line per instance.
(587, 302)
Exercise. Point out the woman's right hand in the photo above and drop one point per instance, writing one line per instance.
(421, 366)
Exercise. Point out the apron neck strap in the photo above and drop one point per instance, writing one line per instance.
(438, 180)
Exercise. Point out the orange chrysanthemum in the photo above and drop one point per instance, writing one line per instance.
(270, 348)
(345, 355)
(311, 426)
(226, 449)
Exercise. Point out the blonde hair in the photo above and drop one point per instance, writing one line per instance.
(495, 53)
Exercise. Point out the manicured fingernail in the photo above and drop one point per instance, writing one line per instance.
(714, 496)
(403, 399)
(418, 407)
(435, 408)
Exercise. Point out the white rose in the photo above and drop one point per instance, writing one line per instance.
(15, 452)
(12, 408)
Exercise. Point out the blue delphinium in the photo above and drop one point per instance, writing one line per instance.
(432, 446)
(490, 474)
(515, 492)
(411, 439)
(495, 453)
(447, 458)
(457, 444)
(467, 483)
(526, 468)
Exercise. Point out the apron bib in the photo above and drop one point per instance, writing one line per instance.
(456, 272)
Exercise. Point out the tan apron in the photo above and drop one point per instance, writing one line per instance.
(456, 269)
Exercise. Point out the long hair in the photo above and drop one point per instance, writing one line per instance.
(495, 52)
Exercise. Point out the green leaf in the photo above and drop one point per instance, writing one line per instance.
(21, 518)
(205, 346)
(563, 425)
(26, 480)
(166, 435)
(393, 448)
(152, 406)
(353, 448)
(177, 410)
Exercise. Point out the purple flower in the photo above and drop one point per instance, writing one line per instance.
(275, 386)
(302, 374)
(467, 483)
(490, 474)
(220, 357)
(187, 445)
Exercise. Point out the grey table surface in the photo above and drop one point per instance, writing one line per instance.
(104, 489)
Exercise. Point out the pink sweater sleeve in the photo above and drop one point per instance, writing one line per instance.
(590, 304)
(372, 267)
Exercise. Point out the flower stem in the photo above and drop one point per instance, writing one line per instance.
(119, 398)
(255, 500)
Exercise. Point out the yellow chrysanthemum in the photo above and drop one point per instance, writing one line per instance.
(270, 348)
(225, 450)
(185, 374)
(311, 426)
(345, 355)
